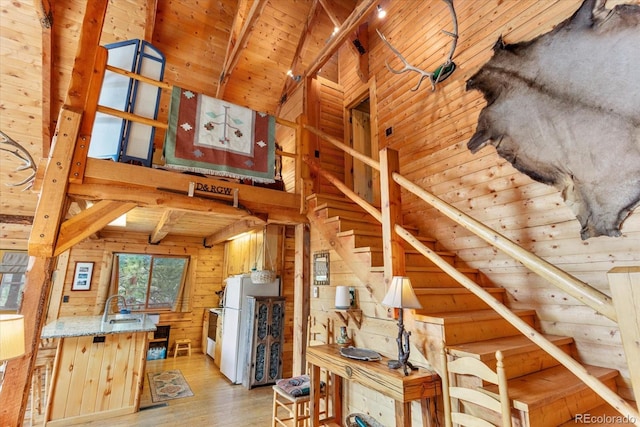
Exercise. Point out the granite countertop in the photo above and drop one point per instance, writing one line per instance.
(79, 326)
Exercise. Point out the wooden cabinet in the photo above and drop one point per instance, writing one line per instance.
(265, 341)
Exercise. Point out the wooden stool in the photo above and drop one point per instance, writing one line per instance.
(183, 344)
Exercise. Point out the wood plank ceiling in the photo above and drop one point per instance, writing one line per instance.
(237, 50)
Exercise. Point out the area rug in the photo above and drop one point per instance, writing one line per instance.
(168, 385)
(214, 137)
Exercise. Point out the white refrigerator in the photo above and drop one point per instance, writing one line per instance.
(235, 324)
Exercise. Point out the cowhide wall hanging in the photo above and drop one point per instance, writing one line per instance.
(565, 109)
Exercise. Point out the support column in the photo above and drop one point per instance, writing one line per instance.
(624, 283)
(391, 207)
(301, 298)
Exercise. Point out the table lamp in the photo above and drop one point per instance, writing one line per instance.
(400, 295)
(11, 339)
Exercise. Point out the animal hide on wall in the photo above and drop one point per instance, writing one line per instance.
(565, 109)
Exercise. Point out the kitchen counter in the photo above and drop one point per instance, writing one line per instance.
(82, 326)
(99, 367)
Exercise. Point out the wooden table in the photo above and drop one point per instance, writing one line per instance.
(418, 385)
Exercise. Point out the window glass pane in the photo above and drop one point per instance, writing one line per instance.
(150, 282)
(133, 279)
(12, 268)
(165, 281)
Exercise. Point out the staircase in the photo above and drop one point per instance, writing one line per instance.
(544, 392)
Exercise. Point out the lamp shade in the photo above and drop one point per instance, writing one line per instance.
(400, 294)
(11, 336)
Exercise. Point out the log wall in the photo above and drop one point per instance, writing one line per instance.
(430, 131)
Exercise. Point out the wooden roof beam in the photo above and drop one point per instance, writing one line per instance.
(332, 16)
(169, 219)
(297, 57)
(88, 222)
(233, 230)
(151, 9)
(234, 49)
(44, 9)
(357, 17)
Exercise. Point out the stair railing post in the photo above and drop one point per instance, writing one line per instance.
(624, 283)
(391, 208)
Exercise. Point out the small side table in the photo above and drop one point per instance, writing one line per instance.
(420, 385)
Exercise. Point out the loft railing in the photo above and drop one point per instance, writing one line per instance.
(557, 277)
(92, 107)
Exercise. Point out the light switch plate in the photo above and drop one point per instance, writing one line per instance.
(316, 292)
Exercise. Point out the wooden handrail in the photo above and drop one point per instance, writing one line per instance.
(583, 292)
(371, 210)
(570, 363)
(131, 117)
(335, 141)
(568, 283)
(139, 77)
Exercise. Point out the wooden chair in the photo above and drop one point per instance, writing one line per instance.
(291, 410)
(473, 406)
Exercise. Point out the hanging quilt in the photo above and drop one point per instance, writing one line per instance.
(214, 137)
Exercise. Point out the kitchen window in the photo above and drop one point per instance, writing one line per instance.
(151, 282)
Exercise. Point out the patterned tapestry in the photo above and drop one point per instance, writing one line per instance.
(214, 137)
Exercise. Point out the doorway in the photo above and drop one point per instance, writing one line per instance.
(366, 181)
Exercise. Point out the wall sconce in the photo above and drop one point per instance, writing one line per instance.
(11, 339)
(381, 12)
(400, 295)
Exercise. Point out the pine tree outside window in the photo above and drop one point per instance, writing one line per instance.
(150, 282)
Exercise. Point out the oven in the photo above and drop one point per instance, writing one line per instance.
(212, 331)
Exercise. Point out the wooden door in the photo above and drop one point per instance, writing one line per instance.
(366, 181)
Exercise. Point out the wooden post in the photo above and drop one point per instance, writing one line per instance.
(391, 207)
(301, 298)
(17, 380)
(624, 283)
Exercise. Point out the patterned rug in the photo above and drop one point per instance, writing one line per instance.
(168, 385)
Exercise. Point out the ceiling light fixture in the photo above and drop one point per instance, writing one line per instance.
(296, 77)
(381, 12)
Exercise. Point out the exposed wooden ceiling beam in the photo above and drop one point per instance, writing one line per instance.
(88, 222)
(297, 57)
(332, 16)
(44, 9)
(359, 15)
(231, 59)
(233, 230)
(151, 197)
(255, 198)
(169, 219)
(150, 20)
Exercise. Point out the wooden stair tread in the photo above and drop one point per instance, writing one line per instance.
(599, 413)
(548, 385)
(449, 291)
(372, 221)
(329, 197)
(406, 251)
(509, 346)
(348, 233)
(467, 316)
(417, 269)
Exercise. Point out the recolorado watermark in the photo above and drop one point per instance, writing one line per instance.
(604, 419)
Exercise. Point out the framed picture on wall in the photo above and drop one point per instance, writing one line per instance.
(321, 268)
(82, 276)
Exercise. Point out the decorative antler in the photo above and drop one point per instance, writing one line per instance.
(21, 153)
(440, 73)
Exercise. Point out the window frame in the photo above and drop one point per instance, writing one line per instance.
(183, 280)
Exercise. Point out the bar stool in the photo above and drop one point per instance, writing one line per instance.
(182, 344)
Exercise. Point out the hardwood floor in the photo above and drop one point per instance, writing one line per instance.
(216, 402)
